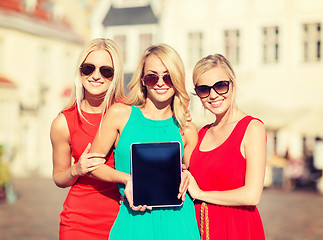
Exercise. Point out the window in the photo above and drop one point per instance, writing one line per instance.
(144, 42)
(312, 42)
(270, 44)
(121, 42)
(195, 47)
(232, 48)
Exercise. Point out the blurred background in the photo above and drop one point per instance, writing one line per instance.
(274, 46)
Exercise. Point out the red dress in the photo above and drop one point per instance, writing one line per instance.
(220, 169)
(91, 205)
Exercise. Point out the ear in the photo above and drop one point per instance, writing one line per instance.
(143, 82)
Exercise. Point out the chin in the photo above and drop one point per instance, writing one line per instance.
(162, 97)
(217, 111)
(97, 92)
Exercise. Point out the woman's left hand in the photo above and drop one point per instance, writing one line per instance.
(184, 183)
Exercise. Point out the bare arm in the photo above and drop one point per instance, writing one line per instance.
(65, 174)
(59, 136)
(254, 145)
(191, 138)
(112, 124)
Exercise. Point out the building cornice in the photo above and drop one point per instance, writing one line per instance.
(36, 26)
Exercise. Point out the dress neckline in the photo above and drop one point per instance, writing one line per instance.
(224, 142)
(90, 114)
(91, 118)
(152, 122)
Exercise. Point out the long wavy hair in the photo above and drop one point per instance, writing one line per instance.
(115, 92)
(175, 67)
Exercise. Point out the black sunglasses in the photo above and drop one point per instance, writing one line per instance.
(221, 87)
(151, 79)
(88, 68)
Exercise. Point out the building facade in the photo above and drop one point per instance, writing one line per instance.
(274, 46)
(38, 52)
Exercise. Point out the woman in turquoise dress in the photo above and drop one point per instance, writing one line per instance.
(156, 112)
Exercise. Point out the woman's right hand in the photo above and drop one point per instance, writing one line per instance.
(87, 162)
(193, 187)
(128, 194)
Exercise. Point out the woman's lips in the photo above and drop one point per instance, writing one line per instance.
(95, 83)
(161, 90)
(217, 103)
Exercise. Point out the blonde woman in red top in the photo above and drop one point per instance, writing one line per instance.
(91, 205)
(228, 163)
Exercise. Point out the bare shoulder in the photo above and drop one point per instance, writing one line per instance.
(119, 109)
(59, 127)
(190, 128)
(257, 125)
(190, 133)
(117, 115)
(256, 129)
(59, 123)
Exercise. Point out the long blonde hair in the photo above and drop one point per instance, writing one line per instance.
(115, 92)
(175, 67)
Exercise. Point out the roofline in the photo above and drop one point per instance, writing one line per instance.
(124, 21)
(13, 20)
(6, 83)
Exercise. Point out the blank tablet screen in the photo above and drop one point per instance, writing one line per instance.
(156, 173)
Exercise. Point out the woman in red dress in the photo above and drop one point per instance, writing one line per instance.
(91, 205)
(228, 162)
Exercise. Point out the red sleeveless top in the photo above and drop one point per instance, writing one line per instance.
(221, 169)
(91, 205)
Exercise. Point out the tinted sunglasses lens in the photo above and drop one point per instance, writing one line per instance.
(151, 79)
(87, 69)
(221, 87)
(106, 72)
(202, 91)
(167, 80)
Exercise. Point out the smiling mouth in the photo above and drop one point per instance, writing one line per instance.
(216, 104)
(95, 84)
(161, 90)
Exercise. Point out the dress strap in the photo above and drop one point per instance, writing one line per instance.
(205, 220)
(201, 134)
(240, 129)
(72, 119)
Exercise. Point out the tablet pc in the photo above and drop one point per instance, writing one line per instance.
(156, 170)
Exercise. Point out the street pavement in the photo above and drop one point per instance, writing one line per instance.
(295, 215)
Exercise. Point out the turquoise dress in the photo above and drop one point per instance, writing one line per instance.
(160, 223)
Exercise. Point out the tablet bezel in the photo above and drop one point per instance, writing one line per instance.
(174, 202)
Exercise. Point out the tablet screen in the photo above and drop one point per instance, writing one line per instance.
(156, 173)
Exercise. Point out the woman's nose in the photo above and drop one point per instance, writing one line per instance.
(96, 75)
(213, 94)
(160, 81)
